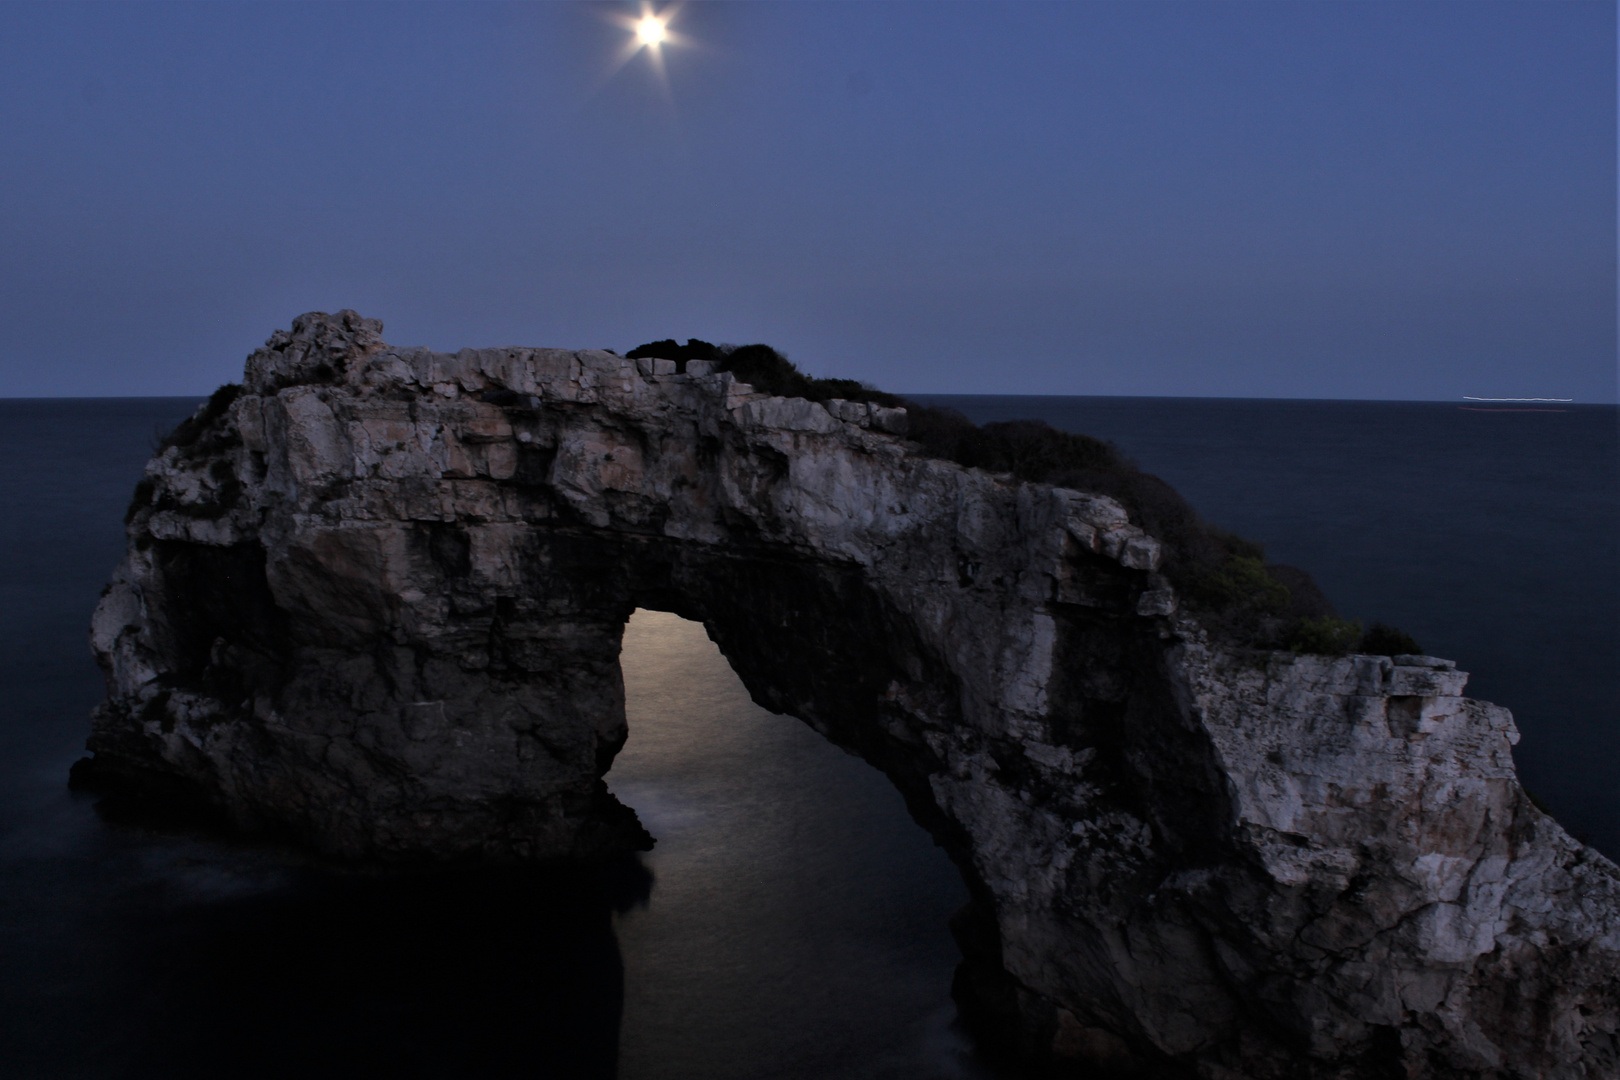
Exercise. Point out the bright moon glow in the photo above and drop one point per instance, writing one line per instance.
(650, 30)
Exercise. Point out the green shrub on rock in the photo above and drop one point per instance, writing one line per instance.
(669, 349)
(1243, 579)
(1325, 636)
(1223, 577)
(763, 368)
(194, 426)
(1382, 640)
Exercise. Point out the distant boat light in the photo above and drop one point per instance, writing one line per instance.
(1518, 399)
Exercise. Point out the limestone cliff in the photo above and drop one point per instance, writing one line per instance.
(376, 600)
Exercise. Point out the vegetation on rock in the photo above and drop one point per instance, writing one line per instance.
(198, 435)
(193, 427)
(1382, 640)
(1220, 575)
(763, 368)
(1325, 636)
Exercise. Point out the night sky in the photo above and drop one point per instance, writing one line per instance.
(1355, 200)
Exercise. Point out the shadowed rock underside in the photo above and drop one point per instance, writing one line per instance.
(375, 603)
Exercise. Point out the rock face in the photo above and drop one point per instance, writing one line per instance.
(376, 604)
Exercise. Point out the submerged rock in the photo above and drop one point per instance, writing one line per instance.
(375, 602)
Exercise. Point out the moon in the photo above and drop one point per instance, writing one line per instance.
(650, 30)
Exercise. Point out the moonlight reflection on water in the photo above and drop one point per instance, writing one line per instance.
(797, 920)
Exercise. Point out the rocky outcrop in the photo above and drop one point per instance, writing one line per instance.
(375, 602)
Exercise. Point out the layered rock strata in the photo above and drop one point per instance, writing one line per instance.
(376, 604)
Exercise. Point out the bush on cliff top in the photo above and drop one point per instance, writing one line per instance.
(1329, 635)
(1325, 636)
(198, 435)
(195, 426)
(1222, 576)
(1382, 640)
(763, 368)
(670, 349)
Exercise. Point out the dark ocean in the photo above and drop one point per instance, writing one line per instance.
(792, 921)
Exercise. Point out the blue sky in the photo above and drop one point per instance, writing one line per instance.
(1410, 200)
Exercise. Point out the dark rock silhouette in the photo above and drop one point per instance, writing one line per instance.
(375, 602)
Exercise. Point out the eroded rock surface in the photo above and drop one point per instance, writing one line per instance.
(376, 603)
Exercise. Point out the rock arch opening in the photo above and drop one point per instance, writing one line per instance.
(798, 917)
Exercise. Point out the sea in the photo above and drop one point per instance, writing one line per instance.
(791, 921)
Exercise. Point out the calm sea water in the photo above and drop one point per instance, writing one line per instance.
(791, 922)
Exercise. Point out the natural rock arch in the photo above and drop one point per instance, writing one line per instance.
(376, 601)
